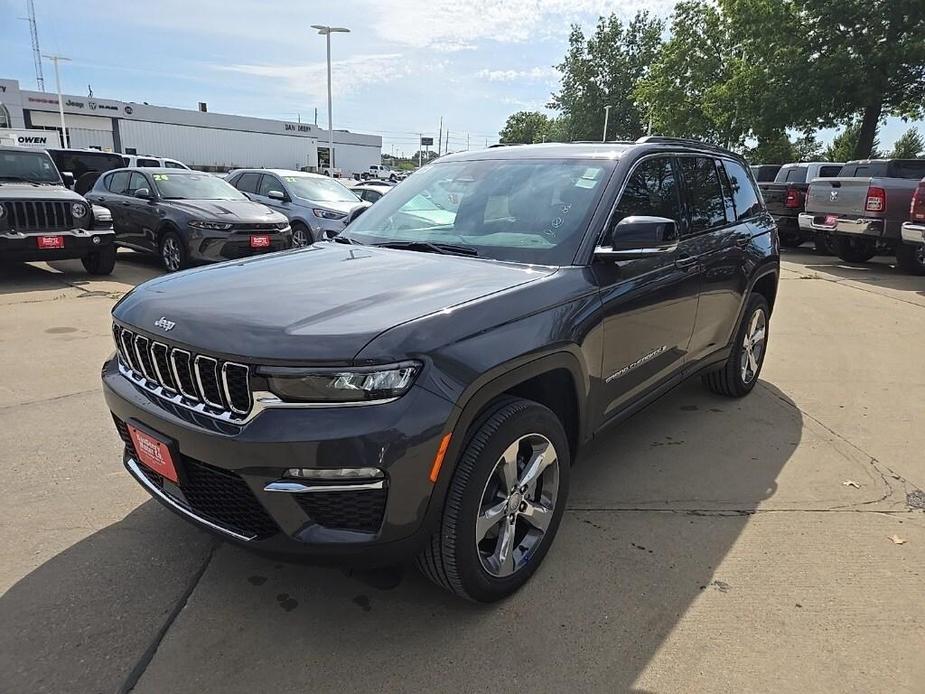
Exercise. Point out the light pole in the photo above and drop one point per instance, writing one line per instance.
(56, 59)
(606, 118)
(326, 31)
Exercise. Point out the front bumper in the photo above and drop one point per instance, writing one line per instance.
(327, 228)
(865, 226)
(913, 233)
(207, 246)
(78, 243)
(230, 466)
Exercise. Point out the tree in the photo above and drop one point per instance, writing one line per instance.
(781, 149)
(526, 127)
(604, 70)
(844, 145)
(909, 145)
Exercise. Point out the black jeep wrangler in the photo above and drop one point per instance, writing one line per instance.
(40, 219)
(420, 386)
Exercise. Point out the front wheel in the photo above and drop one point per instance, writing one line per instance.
(173, 252)
(739, 373)
(855, 249)
(101, 262)
(910, 257)
(504, 504)
(301, 236)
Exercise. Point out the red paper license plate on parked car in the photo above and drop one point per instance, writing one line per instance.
(831, 220)
(260, 241)
(50, 241)
(154, 454)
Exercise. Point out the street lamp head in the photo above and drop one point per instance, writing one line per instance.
(324, 30)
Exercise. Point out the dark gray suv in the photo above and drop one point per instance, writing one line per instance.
(427, 381)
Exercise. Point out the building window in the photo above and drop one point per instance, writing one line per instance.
(5, 120)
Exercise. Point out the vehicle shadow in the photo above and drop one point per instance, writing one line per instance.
(131, 269)
(880, 271)
(656, 504)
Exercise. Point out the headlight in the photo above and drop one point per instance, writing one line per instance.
(342, 385)
(79, 209)
(282, 225)
(2, 211)
(215, 226)
(328, 214)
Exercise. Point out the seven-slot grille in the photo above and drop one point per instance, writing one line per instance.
(39, 215)
(221, 386)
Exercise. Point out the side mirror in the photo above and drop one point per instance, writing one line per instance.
(68, 178)
(144, 194)
(640, 237)
(276, 195)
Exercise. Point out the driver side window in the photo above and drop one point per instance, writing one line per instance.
(651, 191)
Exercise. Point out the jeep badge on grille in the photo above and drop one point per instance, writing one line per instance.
(164, 324)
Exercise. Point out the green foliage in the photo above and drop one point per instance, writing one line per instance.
(909, 145)
(526, 127)
(604, 70)
(844, 145)
(780, 149)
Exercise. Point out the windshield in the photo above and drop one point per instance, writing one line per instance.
(184, 186)
(35, 167)
(528, 211)
(320, 189)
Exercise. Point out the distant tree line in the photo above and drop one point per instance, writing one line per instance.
(758, 76)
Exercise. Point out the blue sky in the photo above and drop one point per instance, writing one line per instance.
(403, 66)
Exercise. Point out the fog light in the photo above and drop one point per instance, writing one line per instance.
(338, 474)
(95, 240)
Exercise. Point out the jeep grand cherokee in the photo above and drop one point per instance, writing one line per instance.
(420, 386)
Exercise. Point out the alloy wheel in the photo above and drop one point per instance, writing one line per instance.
(298, 237)
(517, 505)
(171, 254)
(753, 345)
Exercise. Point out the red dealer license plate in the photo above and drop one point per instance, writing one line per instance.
(260, 241)
(154, 454)
(50, 241)
(831, 220)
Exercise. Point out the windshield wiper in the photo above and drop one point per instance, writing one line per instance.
(428, 247)
(346, 239)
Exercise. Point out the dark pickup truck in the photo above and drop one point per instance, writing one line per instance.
(785, 197)
(864, 207)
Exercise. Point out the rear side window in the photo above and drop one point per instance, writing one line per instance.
(173, 165)
(704, 194)
(908, 169)
(829, 171)
(795, 174)
(744, 196)
(247, 183)
(118, 182)
(151, 163)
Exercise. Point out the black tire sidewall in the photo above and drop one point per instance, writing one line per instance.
(482, 459)
(100, 262)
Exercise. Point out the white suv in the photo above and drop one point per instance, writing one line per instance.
(147, 161)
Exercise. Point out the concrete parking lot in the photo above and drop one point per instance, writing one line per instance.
(775, 543)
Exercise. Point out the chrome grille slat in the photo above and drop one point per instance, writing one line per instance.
(128, 349)
(142, 345)
(233, 395)
(159, 352)
(206, 370)
(183, 373)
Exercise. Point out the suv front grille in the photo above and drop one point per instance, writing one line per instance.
(39, 215)
(221, 387)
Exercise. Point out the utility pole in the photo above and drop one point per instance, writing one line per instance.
(446, 149)
(316, 116)
(606, 118)
(420, 146)
(56, 59)
(467, 142)
(440, 136)
(36, 51)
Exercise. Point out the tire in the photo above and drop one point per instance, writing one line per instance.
(178, 258)
(299, 230)
(454, 558)
(823, 243)
(854, 249)
(101, 262)
(733, 379)
(910, 257)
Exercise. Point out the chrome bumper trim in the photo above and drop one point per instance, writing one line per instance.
(178, 507)
(299, 488)
(913, 233)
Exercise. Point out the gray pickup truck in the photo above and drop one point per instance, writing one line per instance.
(864, 207)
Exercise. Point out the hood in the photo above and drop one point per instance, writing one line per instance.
(320, 304)
(27, 191)
(232, 211)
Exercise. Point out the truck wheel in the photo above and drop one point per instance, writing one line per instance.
(910, 257)
(823, 243)
(100, 262)
(739, 373)
(853, 249)
(504, 504)
(173, 252)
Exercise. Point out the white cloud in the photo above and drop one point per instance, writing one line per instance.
(548, 74)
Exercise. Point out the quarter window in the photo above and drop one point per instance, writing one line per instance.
(651, 191)
(747, 202)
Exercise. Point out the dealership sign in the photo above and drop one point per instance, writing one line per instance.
(30, 138)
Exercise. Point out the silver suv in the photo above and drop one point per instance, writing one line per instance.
(317, 206)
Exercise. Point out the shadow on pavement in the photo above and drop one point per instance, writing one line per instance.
(880, 272)
(656, 504)
(131, 269)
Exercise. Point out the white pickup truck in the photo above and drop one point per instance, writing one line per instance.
(380, 172)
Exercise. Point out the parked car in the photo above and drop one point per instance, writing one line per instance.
(187, 217)
(151, 162)
(316, 206)
(912, 249)
(423, 391)
(785, 198)
(765, 173)
(864, 207)
(40, 219)
(371, 192)
(81, 167)
(380, 171)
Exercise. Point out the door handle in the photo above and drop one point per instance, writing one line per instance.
(743, 241)
(125, 204)
(685, 261)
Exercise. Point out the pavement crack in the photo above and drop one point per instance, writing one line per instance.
(42, 401)
(136, 672)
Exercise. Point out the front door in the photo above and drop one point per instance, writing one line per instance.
(649, 304)
(140, 214)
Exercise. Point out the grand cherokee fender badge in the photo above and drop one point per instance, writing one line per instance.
(164, 324)
(639, 362)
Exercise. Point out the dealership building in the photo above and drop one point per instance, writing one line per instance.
(211, 141)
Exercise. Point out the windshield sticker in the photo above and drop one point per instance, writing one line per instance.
(588, 178)
(160, 177)
(291, 179)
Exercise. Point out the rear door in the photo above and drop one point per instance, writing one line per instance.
(111, 195)
(247, 183)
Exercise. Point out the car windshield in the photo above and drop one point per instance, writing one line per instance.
(320, 189)
(186, 186)
(35, 167)
(527, 211)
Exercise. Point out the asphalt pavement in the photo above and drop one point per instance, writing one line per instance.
(774, 543)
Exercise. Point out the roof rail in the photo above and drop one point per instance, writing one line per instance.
(664, 139)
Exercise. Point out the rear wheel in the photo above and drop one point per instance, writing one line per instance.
(173, 252)
(101, 262)
(855, 249)
(910, 257)
(504, 503)
(739, 373)
(823, 243)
